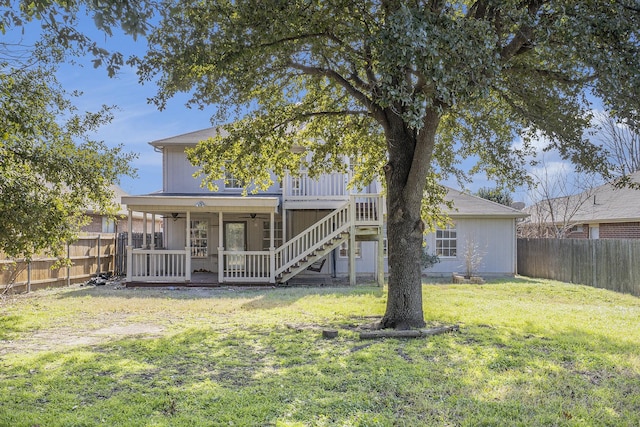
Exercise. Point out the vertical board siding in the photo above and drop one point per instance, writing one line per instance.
(605, 263)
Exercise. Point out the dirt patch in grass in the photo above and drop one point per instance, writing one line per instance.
(56, 339)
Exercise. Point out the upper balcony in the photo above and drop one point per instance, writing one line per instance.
(325, 192)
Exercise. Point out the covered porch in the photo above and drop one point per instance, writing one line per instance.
(232, 239)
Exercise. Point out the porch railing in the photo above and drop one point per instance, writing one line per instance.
(246, 266)
(362, 210)
(159, 265)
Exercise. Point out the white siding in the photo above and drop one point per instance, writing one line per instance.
(494, 239)
(179, 175)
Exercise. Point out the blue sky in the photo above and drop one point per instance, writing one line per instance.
(136, 122)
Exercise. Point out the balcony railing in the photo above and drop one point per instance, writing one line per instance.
(330, 186)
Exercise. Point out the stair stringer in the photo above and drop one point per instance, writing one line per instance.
(325, 249)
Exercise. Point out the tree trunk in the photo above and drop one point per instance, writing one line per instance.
(405, 173)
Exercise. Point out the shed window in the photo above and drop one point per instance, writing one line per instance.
(446, 241)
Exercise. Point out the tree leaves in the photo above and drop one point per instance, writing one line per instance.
(51, 172)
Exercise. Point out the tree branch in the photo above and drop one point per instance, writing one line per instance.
(338, 78)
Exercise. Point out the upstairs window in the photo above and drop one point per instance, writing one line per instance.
(447, 241)
(231, 182)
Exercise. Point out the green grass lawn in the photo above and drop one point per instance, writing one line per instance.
(528, 353)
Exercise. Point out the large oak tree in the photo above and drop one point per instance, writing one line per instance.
(406, 88)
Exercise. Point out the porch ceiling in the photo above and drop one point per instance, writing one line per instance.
(163, 204)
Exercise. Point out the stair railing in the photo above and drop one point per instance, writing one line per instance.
(311, 239)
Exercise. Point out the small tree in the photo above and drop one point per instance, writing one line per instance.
(622, 142)
(557, 195)
(473, 257)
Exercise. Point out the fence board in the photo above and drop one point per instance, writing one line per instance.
(604, 263)
(89, 255)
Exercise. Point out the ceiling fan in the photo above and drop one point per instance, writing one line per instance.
(253, 216)
(174, 216)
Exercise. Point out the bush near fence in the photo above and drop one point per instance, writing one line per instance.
(603, 263)
(89, 255)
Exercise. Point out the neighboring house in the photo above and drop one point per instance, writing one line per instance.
(299, 226)
(603, 212)
(101, 223)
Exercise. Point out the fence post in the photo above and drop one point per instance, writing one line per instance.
(99, 266)
(69, 264)
(28, 276)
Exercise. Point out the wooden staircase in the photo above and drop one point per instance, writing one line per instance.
(363, 218)
(313, 257)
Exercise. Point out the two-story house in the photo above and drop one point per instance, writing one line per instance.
(298, 226)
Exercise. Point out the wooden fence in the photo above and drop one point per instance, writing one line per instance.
(89, 255)
(605, 263)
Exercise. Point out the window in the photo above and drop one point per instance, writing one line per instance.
(266, 234)
(108, 225)
(232, 182)
(344, 249)
(199, 238)
(446, 241)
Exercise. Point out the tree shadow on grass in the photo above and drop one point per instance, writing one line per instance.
(260, 375)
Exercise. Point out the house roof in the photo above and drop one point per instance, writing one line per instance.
(605, 203)
(187, 139)
(465, 206)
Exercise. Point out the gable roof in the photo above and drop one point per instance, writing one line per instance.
(190, 138)
(466, 206)
(604, 203)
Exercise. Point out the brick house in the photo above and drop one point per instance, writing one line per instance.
(603, 212)
(103, 224)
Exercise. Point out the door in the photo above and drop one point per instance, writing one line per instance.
(235, 239)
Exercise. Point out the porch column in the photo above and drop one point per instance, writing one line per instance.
(272, 250)
(144, 230)
(129, 247)
(220, 248)
(352, 242)
(284, 225)
(152, 245)
(381, 235)
(187, 249)
(153, 231)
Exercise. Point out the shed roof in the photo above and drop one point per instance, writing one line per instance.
(466, 205)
